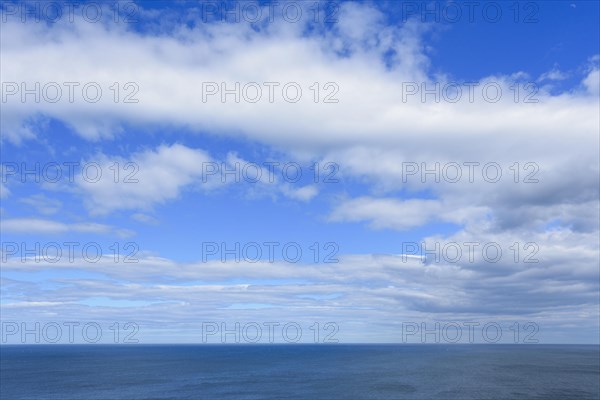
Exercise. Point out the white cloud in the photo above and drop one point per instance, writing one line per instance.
(42, 204)
(370, 108)
(370, 120)
(305, 193)
(145, 218)
(364, 289)
(592, 82)
(152, 177)
(404, 214)
(387, 213)
(156, 176)
(4, 192)
(46, 226)
(553, 75)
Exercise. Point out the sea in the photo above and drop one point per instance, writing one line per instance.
(343, 371)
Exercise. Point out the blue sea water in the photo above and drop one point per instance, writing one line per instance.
(93, 372)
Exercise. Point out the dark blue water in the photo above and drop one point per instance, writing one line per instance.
(300, 372)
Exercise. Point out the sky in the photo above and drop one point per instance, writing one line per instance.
(369, 171)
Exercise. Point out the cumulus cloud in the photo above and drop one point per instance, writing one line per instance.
(224, 52)
(153, 177)
(148, 178)
(373, 118)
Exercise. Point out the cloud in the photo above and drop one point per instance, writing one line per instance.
(42, 204)
(49, 227)
(553, 75)
(305, 193)
(370, 131)
(527, 193)
(387, 213)
(404, 214)
(592, 82)
(151, 177)
(224, 52)
(363, 289)
(144, 218)
(4, 192)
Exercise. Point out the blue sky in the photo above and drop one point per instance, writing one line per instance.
(362, 215)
